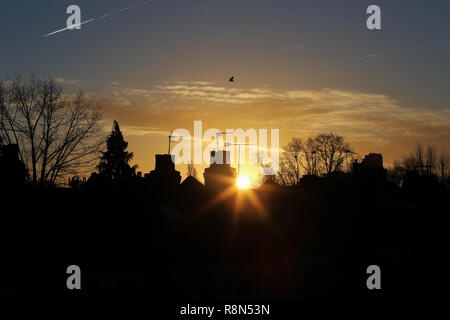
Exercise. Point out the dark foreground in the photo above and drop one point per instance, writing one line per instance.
(271, 244)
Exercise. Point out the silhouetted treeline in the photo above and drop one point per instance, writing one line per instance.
(153, 237)
(423, 161)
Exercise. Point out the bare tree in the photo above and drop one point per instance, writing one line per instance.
(397, 173)
(289, 172)
(431, 158)
(409, 163)
(322, 154)
(419, 155)
(443, 161)
(309, 163)
(332, 150)
(423, 159)
(57, 135)
(426, 160)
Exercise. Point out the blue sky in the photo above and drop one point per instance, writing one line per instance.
(282, 46)
(255, 39)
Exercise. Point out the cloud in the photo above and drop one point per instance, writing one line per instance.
(366, 57)
(372, 122)
(70, 82)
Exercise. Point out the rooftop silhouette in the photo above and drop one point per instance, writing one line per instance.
(156, 237)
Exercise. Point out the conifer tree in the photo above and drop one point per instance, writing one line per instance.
(114, 162)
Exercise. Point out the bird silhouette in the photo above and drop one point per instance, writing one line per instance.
(231, 79)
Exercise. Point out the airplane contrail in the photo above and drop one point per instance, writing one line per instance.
(123, 9)
(71, 27)
(93, 19)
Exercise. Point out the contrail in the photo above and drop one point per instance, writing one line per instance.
(99, 18)
(71, 27)
(131, 7)
(123, 9)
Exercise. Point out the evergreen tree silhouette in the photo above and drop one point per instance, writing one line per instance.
(114, 162)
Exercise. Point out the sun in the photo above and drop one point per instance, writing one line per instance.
(243, 182)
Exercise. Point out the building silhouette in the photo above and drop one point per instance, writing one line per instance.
(12, 171)
(220, 175)
(162, 239)
(191, 184)
(191, 193)
(164, 180)
(371, 168)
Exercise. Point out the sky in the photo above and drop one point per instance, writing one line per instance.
(303, 67)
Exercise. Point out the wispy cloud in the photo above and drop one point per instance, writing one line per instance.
(372, 122)
(370, 56)
(71, 82)
(303, 111)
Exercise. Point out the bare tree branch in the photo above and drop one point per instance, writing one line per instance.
(57, 135)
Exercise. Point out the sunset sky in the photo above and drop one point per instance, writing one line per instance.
(303, 67)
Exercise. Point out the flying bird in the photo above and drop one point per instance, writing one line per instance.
(231, 79)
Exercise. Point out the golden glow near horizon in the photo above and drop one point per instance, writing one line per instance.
(243, 182)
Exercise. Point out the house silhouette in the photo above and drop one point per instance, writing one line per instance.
(164, 180)
(12, 171)
(219, 176)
